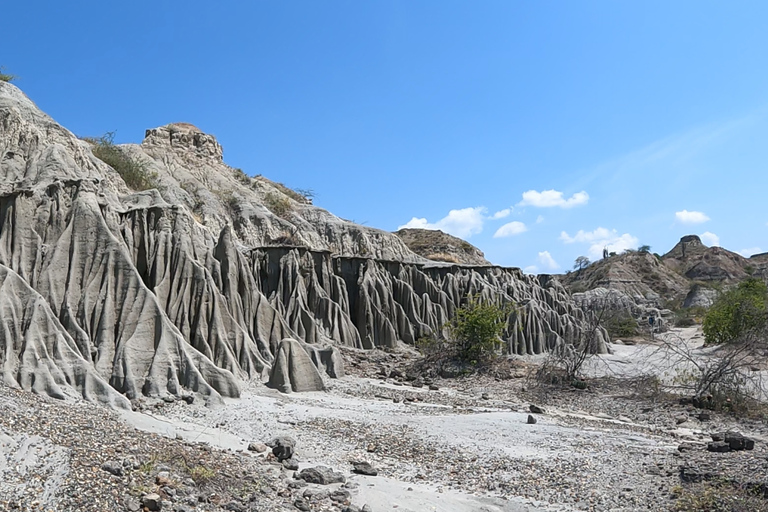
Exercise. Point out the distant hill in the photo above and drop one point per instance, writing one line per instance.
(686, 276)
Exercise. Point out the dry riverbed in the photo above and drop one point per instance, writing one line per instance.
(456, 445)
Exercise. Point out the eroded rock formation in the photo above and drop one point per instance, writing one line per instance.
(108, 293)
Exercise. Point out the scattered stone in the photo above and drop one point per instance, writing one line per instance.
(364, 468)
(257, 447)
(302, 505)
(718, 447)
(282, 447)
(163, 478)
(485, 396)
(704, 416)
(681, 419)
(340, 496)
(531, 420)
(113, 468)
(291, 464)
(685, 447)
(434, 387)
(738, 442)
(152, 502)
(535, 409)
(321, 475)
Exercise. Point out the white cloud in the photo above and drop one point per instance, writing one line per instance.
(539, 219)
(687, 217)
(553, 198)
(531, 269)
(501, 214)
(710, 239)
(749, 252)
(601, 238)
(462, 223)
(547, 261)
(510, 229)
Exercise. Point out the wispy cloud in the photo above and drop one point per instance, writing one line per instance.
(462, 223)
(553, 198)
(749, 252)
(710, 239)
(501, 214)
(547, 261)
(686, 217)
(510, 229)
(601, 238)
(672, 151)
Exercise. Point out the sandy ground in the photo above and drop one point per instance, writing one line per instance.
(331, 428)
(452, 450)
(262, 414)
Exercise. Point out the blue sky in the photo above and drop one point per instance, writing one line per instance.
(539, 131)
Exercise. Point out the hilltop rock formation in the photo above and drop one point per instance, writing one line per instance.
(108, 293)
(435, 245)
(691, 258)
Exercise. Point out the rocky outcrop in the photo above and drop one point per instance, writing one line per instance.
(700, 297)
(293, 370)
(108, 293)
(636, 282)
(435, 245)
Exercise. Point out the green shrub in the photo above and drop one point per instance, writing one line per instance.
(134, 173)
(5, 77)
(620, 325)
(737, 312)
(476, 331)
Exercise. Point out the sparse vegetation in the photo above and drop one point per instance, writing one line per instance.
(722, 379)
(201, 474)
(620, 324)
(443, 256)
(135, 173)
(565, 362)
(644, 248)
(240, 176)
(307, 194)
(278, 204)
(737, 312)
(718, 496)
(5, 77)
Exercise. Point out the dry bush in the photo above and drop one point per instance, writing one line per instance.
(278, 204)
(723, 377)
(241, 176)
(5, 77)
(443, 256)
(718, 496)
(135, 173)
(564, 364)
